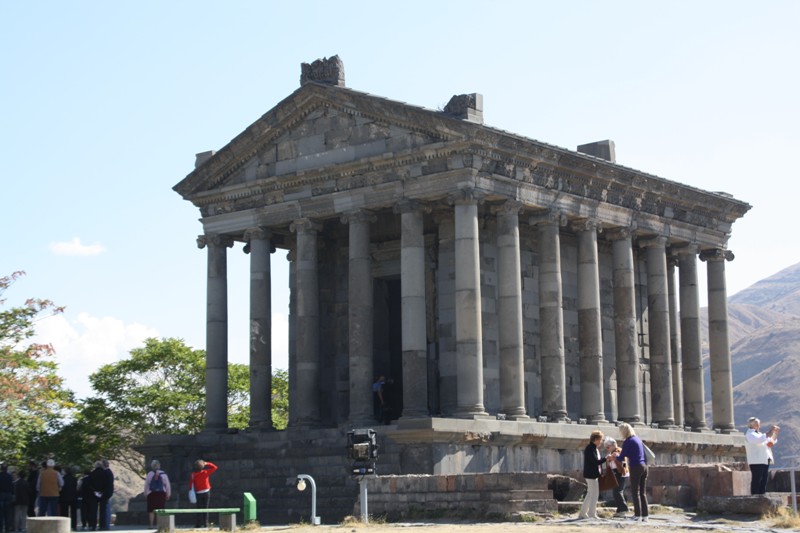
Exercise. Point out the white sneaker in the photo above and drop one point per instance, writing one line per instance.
(645, 519)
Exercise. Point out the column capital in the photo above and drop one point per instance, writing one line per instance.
(407, 205)
(716, 254)
(359, 215)
(465, 196)
(258, 232)
(550, 216)
(620, 233)
(586, 224)
(304, 225)
(659, 241)
(508, 207)
(213, 239)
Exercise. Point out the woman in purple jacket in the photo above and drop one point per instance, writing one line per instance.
(633, 450)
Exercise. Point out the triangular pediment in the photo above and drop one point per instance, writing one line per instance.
(320, 127)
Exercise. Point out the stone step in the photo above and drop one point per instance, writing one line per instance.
(517, 506)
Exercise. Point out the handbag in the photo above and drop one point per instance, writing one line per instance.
(192, 496)
(608, 480)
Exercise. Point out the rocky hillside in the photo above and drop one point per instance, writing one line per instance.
(764, 332)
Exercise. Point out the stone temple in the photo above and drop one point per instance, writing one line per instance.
(518, 295)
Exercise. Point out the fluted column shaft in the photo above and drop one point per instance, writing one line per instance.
(413, 310)
(675, 345)
(551, 319)
(469, 329)
(658, 329)
(360, 317)
(718, 343)
(590, 343)
(260, 329)
(625, 335)
(693, 388)
(509, 312)
(216, 330)
(307, 323)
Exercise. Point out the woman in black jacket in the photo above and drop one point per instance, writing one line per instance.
(592, 468)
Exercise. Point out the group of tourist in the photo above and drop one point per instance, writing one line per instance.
(627, 462)
(630, 462)
(53, 490)
(157, 489)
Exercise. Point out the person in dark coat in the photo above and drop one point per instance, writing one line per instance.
(84, 497)
(591, 472)
(108, 492)
(96, 482)
(22, 495)
(6, 498)
(68, 499)
(33, 478)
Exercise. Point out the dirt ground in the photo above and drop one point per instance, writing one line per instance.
(683, 522)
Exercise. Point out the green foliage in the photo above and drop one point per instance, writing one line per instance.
(32, 397)
(280, 399)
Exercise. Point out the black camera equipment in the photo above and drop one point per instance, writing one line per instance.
(362, 448)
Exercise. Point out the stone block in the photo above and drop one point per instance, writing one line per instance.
(755, 505)
(48, 524)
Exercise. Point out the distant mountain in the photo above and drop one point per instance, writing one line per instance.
(764, 332)
(779, 293)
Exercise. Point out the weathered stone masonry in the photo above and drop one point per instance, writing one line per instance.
(484, 272)
(511, 289)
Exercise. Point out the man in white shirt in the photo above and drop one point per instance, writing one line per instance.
(759, 453)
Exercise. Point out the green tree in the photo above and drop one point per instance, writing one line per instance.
(280, 399)
(32, 397)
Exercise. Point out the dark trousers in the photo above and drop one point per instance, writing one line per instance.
(103, 512)
(70, 509)
(91, 512)
(6, 511)
(619, 497)
(32, 503)
(203, 498)
(760, 476)
(639, 489)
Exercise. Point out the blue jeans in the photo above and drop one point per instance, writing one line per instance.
(48, 505)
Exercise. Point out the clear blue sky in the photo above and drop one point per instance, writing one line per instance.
(104, 104)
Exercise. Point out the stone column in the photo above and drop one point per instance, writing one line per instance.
(658, 329)
(509, 312)
(625, 335)
(693, 393)
(307, 323)
(412, 296)
(260, 247)
(675, 344)
(590, 334)
(469, 329)
(718, 347)
(359, 305)
(291, 257)
(551, 318)
(216, 330)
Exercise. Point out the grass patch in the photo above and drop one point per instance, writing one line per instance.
(783, 518)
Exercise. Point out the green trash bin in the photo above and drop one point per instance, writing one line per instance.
(249, 508)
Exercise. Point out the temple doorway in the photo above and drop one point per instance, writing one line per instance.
(388, 342)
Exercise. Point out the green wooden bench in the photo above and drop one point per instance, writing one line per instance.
(227, 517)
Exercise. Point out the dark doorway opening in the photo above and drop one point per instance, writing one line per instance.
(387, 358)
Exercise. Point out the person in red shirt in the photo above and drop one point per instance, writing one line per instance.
(199, 481)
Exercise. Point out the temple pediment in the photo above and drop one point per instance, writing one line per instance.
(317, 129)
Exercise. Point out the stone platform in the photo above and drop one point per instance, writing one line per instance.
(266, 463)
